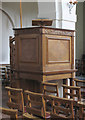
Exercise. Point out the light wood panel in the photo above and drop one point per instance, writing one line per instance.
(43, 54)
(58, 49)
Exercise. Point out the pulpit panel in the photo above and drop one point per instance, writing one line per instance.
(29, 53)
(58, 52)
(28, 50)
(43, 54)
(58, 49)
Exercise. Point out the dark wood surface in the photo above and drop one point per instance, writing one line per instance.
(10, 114)
(15, 101)
(42, 22)
(41, 54)
(35, 105)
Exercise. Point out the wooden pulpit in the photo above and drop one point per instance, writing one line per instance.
(41, 54)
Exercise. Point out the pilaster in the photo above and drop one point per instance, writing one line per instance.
(59, 12)
(0, 33)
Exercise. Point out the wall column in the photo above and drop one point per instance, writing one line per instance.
(68, 20)
(59, 12)
(0, 32)
(0, 53)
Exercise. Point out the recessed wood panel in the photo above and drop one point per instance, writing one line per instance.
(29, 48)
(58, 50)
(42, 54)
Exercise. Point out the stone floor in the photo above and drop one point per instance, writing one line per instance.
(4, 97)
(81, 77)
(4, 100)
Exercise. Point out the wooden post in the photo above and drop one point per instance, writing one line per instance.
(65, 81)
(20, 14)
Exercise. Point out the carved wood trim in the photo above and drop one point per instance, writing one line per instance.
(44, 30)
(28, 31)
(57, 32)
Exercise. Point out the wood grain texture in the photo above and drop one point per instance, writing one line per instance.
(43, 54)
(28, 49)
(75, 92)
(15, 99)
(62, 108)
(11, 112)
(35, 105)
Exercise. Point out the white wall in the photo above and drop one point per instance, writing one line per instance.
(29, 12)
(0, 32)
(59, 12)
(47, 10)
(0, 54)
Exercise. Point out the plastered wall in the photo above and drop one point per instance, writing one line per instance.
(29, 12)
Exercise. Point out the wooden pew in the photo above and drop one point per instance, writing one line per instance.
(10, 112)
(15, 100)
(81, 84)
(50, 88)
(35, 106)
(62, 108)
